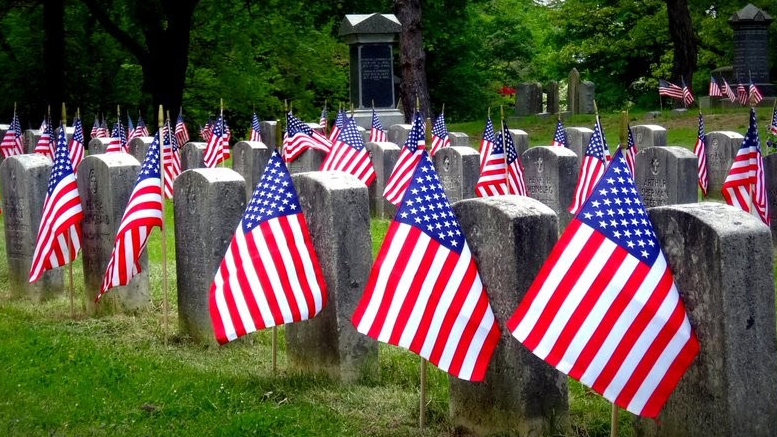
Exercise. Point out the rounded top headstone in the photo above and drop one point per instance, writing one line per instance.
(218, 174)
(30, 160)
(512, 206)
(115, 159)
(332, 180)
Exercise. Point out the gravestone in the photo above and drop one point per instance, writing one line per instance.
(577, 141)
(721, 149)
(459, 139)
(721, 258)
(383, 156)
(30, 139)
(105, 183)
(139, 146)
(649, 135)
(535, 105)
(336, 206)
(309, 160)
(751, 47)
(521, 394)
(97, 145)
(459, 171)
(365, 134)
(573, 88)
(667, 176)
(209, 204)
(23, 181)
(249, 159)
(267, 130)
(192, 155)
(520, 139)
(586, 97)
(551, 177)
(552, 102)
(770, 173)
(523, 99)
(398, 133)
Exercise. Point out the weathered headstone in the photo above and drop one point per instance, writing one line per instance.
(365, 133)
(552, 102)
(459, 139)
(667, 176)
(521, 394)
(721, 149)
(267, 130)
(105, 183)
(649, 135)
(520, 139)
(459, 171)
(30, 139)
(384, 156)
(209, 204)
(398, 133)
(523, 99)
(23, 181)
(139, 146)
(573, 87)
(577, 141)
(721, 258)
(586, 95)
(192, 155)
(751, 47)
(551, 177)
(97, 145)
(336, 206)
(309, 160)
(770, 173)
(249, 159)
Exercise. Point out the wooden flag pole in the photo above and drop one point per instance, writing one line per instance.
(422, 388)
(278, 139)
(223, 127)
(614, 421)
(71, 287)
(163, 229)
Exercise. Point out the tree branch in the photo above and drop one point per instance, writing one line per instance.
(117, 33)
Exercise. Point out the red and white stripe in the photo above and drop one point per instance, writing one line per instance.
(76, 148)
(439, 143)
(399, 180)
(591, 171)
(377, 135)
(172, 164)
(699, 149)
(296, 144)
(114, 145)
(493, 173)
(45, 145)
(515, 179)
(350, 160)
(745, 185)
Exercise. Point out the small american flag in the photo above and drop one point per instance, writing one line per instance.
(207, 130)
(118, 142)
(755, 94)
(143, 212)
(687, 95)
(604, 308)
(349, 155)
(270, 274)
(172, 160)
(424, 292)
(256, 130)
(181, 132)
(300, 137)
(493, 167)
(77, 144)
(631, 152)
(440, 137)
(45, 145)
(12, 140)
(560, 137)
(377, 134)
(131, 131)
(669, 89)
(411, 152)
(729, 92)
(700, 150)
(59, 234)
(515, 181)
(104, 132)
(714, 88)
(141, 128)
(322, 122)
(745, 185)
(217, 148)
(95, 128)
(339, 121)
(772, 126)
(591, 169)
(741, 94)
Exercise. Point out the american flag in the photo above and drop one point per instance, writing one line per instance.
(424, 292)
(172, 160)
(755, 94)
(493, 167)
(714, 88)
(12, 140)
(440, 137)
(207, 130)
(700, 150)
(741, 94)
(217, 148)
(141, 128)
(77, 144)
(300, 137)
(322, 122)
(745, 185)
(604, 308)
(687, 95)
(411, 153)
(181, 132)
(339, 121)
(118, 142)
(560, 137)
(104, 132)
(377, 134)
(131, 131)
(270, 274)
(772, 126)
(669, 89)
(45, 145)
(95, 128)
(515, 181)
(631, 152)
(143, 212)
(728, 91)
(256, 130)
(349, 155)
(59, 234)
(591, 169)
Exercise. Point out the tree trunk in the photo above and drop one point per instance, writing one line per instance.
(54, 54)
(412, 58)
(683, 40)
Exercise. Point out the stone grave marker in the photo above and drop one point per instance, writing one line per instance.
(649, 135)
(249, 159)
(384, 156)
(459, 139)
(521, 394)
(523, 99)
(398, 133)
(209, 204)
(105, 183)
(667, 176)
(30, 139)
(97, 145)
(577, 141)
(192, 155)
(459, 170)
(520, 139)
(309, 160)
(551, 91)
(587, 95)
(770, 173)
(139, 146)
(721, 148)
(23, 181)
(573, 88)
(336, 206)
(551, 177)
(751, 47)
(267, 130)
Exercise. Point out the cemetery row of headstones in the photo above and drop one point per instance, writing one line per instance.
(535, 98)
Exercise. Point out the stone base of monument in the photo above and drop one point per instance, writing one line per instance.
(387, 117)
(459, 139)
(577, 141)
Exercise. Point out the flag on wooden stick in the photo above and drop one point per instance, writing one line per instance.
(77, 144)
(12, 140)
(493, 167)
(700, 150)
(560, 136)
(591, 169)
(745, 185)
(349, 155)
(377, 134)
(411, 152)
(440, 137)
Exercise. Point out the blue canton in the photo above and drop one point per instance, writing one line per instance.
(512, 154)
(294, 126)
(615, 209)
(340, 119)
(376, 121)
(630, 142)
(439, 130)
(426, 207)
(751, 138)
(488, 134)
(596, 143)
(273, 197)
(150, 167)
(255, 123)
(118, 132)
(170, 139)
(417, 133)
(561, 134)
(498, 145)
(350, 135)
(62, 166)
(701, 125)
(16, 127)
(78, 131)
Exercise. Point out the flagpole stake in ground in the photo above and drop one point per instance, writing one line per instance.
(422, 402)
(71, 288)
(163, 228)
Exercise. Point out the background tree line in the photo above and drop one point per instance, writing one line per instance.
(255, 54)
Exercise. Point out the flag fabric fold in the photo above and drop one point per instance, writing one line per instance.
(77, 144)
(338, 124)
(560, 136)
(45, 144)
(217, 147)
(754, 94)
(493, 166)
(700, 150)
(687, 95)
(411, 152)
(118, 139)
(742, 94)
(631, 152)
(591, 169)
(12, 140)
(377, 134)
(181, 132)
(256, 130)
(141, 128)
(668, 89)
(300, 137)
(172, 160)
(729, 92)
(349, 154)
(515, 180)
(440, 137)
(714, 88)
(772, 125)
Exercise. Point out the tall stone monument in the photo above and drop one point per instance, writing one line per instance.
(371, 38)
(751, 47)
